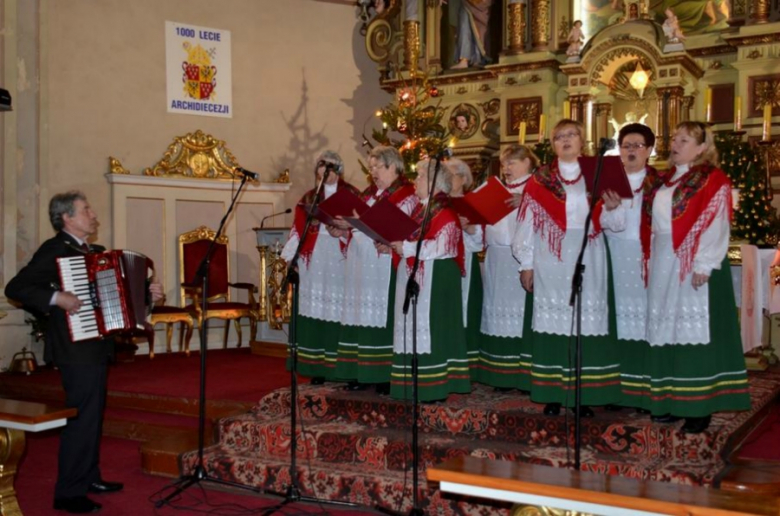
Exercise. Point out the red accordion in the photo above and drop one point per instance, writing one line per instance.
(112, 288)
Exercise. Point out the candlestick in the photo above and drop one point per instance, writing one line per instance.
(767, 133)
(566, 109)
(589, 121)
(708, 104)
(738, 114)
(521, 134)
(542, 126)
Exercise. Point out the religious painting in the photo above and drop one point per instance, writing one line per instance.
(695, 16)
(464, 121)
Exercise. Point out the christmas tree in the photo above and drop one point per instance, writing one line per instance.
(412, 124)
(755, 220)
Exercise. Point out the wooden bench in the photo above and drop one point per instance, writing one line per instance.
(16, 418)
(546, 486)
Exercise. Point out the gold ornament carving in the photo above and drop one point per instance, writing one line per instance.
(716, 65)
(755, 54)
(510, 81)
(739, 8)
(534, 78)
(115, 167)
(490, 107)
(462, 90)
(540, 23)
(759, 12)
(534, 510)
(484, 87)
(524, 110)
(765, 91)
(197, 155)
(378, 39)
(411, 45)
(563, 29)
(517, 27)
(284, 177)
(11, 449)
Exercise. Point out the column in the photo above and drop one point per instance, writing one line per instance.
(540, 24)
(669, 104)
(516, 27)
(759, 11)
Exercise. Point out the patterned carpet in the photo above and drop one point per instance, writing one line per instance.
(356, 446)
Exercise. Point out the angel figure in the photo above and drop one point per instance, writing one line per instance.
(575, 39)
(630, 119)
(672, 28)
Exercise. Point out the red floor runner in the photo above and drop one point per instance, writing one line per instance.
(231, 374)
(763, 443)
(121, 462)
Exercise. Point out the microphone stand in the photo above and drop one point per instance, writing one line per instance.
(203, 272)
(293, 492)
(576, 301)
(412, 296)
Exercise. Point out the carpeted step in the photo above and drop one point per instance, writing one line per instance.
(485, 416)
(390, 449)
(388, 489)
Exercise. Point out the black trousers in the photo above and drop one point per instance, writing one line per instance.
(79, 455)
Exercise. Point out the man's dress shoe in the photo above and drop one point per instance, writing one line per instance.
(105, 486)
(552, 409)
(696, 425)
(76, 505)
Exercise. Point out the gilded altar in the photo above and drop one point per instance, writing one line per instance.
(534, 73)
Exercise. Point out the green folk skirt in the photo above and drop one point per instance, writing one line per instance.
(365, 354)
(698, 380)
(445, 369)
(553, 372)
(317, 346)
(505, 362)
(474, 315)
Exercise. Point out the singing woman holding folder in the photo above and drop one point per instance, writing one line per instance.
(441, 338)
(471, 283)
(503, 360)
(365, 349)
(321, 271)
(695, 365)
(553, 212)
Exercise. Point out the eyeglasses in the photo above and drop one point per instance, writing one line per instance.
(566, 136)
(633, 146)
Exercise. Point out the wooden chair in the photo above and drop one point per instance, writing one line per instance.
(170, 315)
(192, 247)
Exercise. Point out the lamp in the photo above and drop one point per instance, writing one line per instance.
(639, 79)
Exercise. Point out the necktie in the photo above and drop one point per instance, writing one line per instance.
(85, 247)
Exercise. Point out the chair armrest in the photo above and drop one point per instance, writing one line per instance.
(250, 291)
(244, 286)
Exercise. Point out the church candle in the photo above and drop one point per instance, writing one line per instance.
(738, 114)
(521, 134)
(566, 109)
(767, 133)
(542, 126)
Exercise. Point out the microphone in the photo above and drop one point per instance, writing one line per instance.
(444, 152)
(254, 176)
(288, 210)
(606, 144)
(327, 164)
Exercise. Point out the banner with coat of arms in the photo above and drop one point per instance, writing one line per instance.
(199, 76)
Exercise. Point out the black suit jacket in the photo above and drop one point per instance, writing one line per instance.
(34, 286)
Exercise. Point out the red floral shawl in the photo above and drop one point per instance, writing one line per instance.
(443, 218)
(302, 212)
(696, 201)
(545, 197)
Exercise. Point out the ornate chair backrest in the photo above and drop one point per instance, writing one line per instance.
(192, 247)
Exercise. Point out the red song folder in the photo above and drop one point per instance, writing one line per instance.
(613, 175)
(486, 204)
(384, 222)
(343, 203)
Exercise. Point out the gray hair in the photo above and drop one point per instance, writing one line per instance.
(331, 157)
(443, 179)
(458, 167)
(62, 204)
(388, 156)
